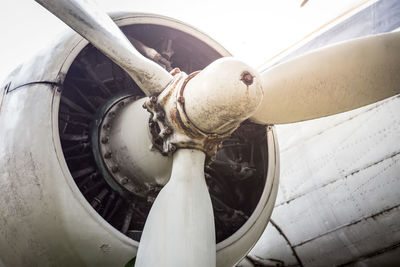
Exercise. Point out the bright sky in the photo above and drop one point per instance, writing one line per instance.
(252, 30)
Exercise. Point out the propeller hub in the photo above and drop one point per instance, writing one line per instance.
(201, 109)
(223, 95)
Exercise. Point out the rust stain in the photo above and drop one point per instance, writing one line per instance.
(247, 78)
(165, 98)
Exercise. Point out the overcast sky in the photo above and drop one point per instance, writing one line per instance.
(253, 30)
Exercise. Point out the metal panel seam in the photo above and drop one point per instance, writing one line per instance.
(349, 224)
(287, 241)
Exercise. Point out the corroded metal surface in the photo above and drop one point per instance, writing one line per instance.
(174, 130)
(83, 237)
(43, 213)
(351, 182)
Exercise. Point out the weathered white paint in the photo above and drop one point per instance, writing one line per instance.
(331, 80)
(98, 28)
(45, 220)
(339, 199)
(271, 248)
(80, 232)
(179, 229)
(216, 99)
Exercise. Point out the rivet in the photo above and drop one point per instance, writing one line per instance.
(111, 114)
(105, 139)
(114, 169)
(175, 71)
(121, 104)
(108, 154)
(153, 99)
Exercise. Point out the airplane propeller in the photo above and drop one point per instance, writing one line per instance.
(331, 80)
(99, 29)
(203, 108)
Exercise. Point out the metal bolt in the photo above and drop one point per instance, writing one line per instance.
(160, 115)
(107, 126)
(153, 99)
(247, 78)
(165, 132)
(175, 71)
(105, 139)
(114, 168)
(111, 114)
(108, 154)
(181, 99)
(171, 148)
(121, 104)
(124, 181)
(168, 131)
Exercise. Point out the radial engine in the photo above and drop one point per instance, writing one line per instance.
(81, 162)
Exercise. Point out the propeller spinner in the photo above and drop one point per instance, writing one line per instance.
(196, 112)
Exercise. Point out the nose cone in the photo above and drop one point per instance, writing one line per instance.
(222, 95)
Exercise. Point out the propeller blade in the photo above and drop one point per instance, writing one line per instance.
(179, 230)
(331, 80)
(99, 29)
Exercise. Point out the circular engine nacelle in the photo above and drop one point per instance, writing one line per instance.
(66, 182)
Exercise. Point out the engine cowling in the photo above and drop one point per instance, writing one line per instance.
(63, 199)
